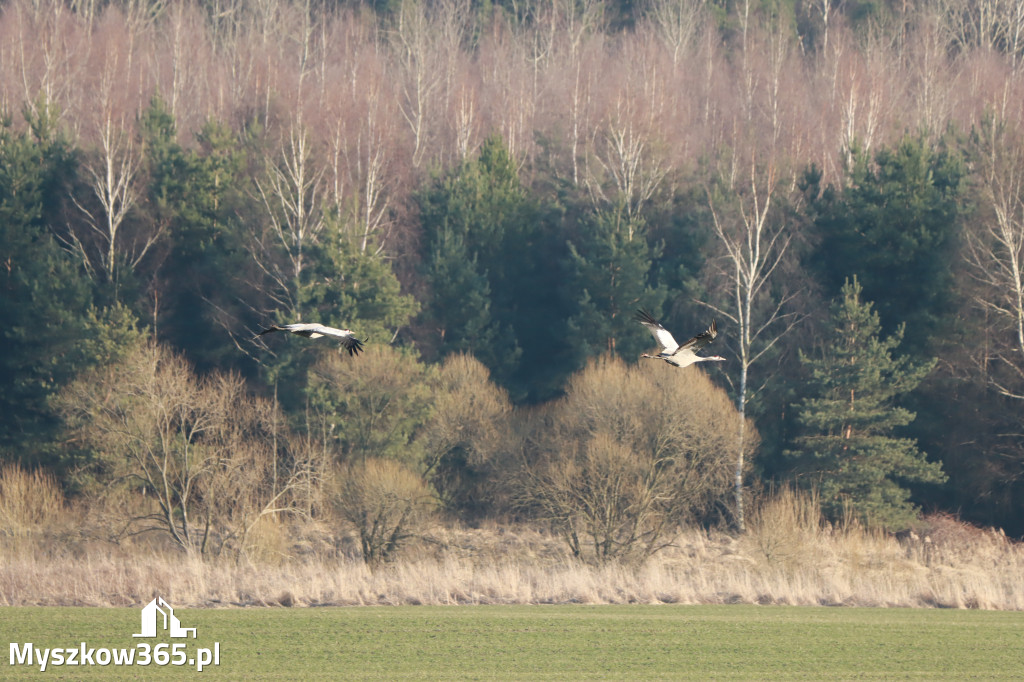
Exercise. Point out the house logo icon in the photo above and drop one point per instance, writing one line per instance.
(171, 624)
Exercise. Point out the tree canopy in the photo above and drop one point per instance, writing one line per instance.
(848, 443)
(507, 183)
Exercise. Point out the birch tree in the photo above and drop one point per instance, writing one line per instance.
(113, 182)
(677, 24)
(373, 158)
(754, 243)
(995, 255)
(991, 25)
(418, 55)
(290, 192)
(361, 171)
(105, 240)
(863, 86)
(626, 159)
(49, 58)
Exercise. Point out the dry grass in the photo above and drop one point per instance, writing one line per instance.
(31, 508)
(947, 564)
(29, 500)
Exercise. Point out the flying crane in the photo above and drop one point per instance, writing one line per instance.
(673, 353)
(315, 331)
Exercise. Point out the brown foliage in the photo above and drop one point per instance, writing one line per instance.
(468, 439)
(386, 503)
(201, 458)
(630, 454)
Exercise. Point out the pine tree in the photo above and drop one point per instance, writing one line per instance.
(608, 274)
(848, 444)
(459, 308)
(50, 328)
(194, 196)
(346, 287)
(487, 260)
(895, 227)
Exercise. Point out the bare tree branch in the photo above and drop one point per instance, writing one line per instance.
(754, 247)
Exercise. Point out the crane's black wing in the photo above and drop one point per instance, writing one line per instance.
(702, 339)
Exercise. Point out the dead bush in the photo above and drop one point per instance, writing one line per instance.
(202, 458)
(386, 503)
(466, 441)
(628, 455)
(943, 539)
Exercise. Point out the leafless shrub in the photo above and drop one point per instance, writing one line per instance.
(467, 439)
(387, 504)
(630, 454)
(106, 514)
(944, 540)
(261, 472)
(200, 456)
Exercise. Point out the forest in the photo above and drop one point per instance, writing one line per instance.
(486, 193)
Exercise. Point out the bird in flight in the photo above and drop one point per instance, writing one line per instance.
(315, 331)
(673, 353)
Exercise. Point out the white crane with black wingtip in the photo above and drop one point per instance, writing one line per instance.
(680, 355)
(313, 330)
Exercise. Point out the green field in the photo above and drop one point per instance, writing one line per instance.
(546, 642)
